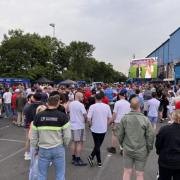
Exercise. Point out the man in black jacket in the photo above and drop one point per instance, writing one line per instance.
(168, 148)
(29, 114)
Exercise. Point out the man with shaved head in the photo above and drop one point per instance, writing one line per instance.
(136, 135)
(78, 116)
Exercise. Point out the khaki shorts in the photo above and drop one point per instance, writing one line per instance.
(78, 135)
(130, 162)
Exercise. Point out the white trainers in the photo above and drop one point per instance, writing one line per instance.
(27, 156)
(157, 177)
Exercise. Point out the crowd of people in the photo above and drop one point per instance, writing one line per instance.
(56, 116)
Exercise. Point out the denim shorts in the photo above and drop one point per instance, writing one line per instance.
(153, 120)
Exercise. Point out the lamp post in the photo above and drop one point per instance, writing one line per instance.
(53, 26)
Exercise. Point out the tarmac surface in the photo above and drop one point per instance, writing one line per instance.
(13, 165)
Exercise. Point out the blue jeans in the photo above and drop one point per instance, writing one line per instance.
(8, 110)
(33, 170)
(57, 157)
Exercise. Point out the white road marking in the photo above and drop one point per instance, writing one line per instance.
(12, 140)
(4, 127)
(11, 155)
(104, 165)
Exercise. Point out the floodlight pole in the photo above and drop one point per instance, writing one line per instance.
(53, 26)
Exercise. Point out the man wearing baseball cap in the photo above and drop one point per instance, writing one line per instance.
(121, 107)
(168, 148)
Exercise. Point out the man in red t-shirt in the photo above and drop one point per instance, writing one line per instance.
(13, 105)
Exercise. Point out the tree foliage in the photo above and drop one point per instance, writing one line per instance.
(32, 56)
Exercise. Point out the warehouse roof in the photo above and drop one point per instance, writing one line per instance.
(175, 31)
(158, 47)
(164, 42)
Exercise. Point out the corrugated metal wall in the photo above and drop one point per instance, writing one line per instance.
(169, 51)
(177, 72)
(166, 52)
(174, 47)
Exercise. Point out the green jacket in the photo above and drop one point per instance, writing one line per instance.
(136, 135)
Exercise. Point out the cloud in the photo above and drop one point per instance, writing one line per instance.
(117, 28)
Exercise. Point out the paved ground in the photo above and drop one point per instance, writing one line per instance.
(13, 166)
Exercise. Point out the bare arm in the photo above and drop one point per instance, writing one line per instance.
(85, 117)
(113, 118)
(89, 120)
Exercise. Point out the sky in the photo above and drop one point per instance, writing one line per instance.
(117, 28)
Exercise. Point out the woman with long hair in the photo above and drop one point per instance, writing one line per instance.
(168, 148)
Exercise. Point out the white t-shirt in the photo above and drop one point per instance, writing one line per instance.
(7, 97)
(121, 108)
(99, 114)
(77, 111)
(153, 107)
(71, 96)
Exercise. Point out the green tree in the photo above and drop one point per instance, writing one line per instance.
(31, 56)
(79, 52)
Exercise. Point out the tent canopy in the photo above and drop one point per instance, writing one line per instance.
(44, 80)
(67, 82)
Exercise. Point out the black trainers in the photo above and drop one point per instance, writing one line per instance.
(73, 161)
(80, 163)
(162, 120)
(121, 152)
(90, 160)
(157, 177)
(111, 150)
(99, 164)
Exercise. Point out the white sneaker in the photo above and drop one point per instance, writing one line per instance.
(26, 153)
(157, 177)
(27, 156)
(170, 122)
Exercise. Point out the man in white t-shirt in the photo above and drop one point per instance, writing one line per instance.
(99, 116)
(121, 108)
(153, 110)
(7, 103)
(1, 106)
(78, 116)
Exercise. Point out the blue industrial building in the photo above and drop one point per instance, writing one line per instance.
(168, 57)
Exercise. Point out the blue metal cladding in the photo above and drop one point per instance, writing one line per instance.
(174, 46)
(157, 55)
(169, 51)
(177, 72)
(160, 55)
(152, 55)
(166, 52)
